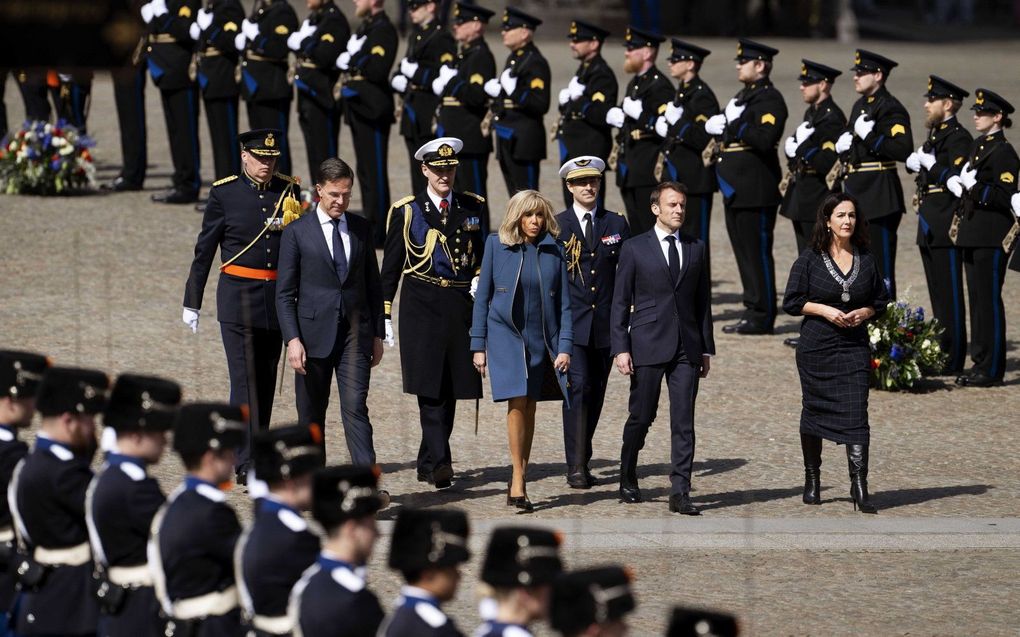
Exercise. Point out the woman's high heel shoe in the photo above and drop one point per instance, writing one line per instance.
(857, 461)
(812, 448)
(522, 502)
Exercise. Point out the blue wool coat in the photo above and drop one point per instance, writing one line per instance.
(492, 326)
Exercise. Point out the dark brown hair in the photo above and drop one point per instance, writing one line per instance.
(334, 169)
(666, 185)
(821, 238)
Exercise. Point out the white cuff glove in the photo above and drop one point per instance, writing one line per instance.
(474, 287)
(844, 142)
(147, 13)
(564, 96)
(446, 73)
(968, 176)
(492, 88)
(354, 43)
(863, 126)
(913, 162)
(804, 131)
(673, 113)
(955, 186)
(240, 41)
(158, 8)
(194, 31)
(615, 117)
(576, 88)
(927, 159)
(716, 124)
(204, 19)
(343, 61)
(632, 108)
(790, 148)
(294, 40)
(399, 83)
(389, 340)
(249, 29)
(508, 82)
(190, 318)
(408, 68)
(1014, 203)
(661, 126)
(733, 111)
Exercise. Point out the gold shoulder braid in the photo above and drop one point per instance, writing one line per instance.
(573, 249)
(422, 254)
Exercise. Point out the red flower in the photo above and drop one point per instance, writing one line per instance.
(57, 132)
(875, 363)
(85, 155)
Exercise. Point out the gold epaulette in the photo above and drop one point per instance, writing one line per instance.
(480, 198)
(397, 204)
(287, 178)
(225, 180)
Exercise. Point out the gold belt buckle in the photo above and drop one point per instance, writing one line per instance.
(444, 283)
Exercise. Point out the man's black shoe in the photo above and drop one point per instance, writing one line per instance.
(591, 479)
(732, 327)
(121, 185)
(424, 477)
(793, 341)
(681, 503)
(442, 477)
(748, 329)
(977, 379)
(630, 495)
(576, 478)
(175, 196)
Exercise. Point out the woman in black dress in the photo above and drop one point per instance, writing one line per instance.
(835, 285)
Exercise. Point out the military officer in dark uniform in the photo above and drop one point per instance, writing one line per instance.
(600, 597)
(217, 26)
(122, 501)
(47, 500)
(637, 144)
(20, 375)
(686, 139)
(331, 599)
(877, 136)
(940, 157)
(592, 238)
(434, 242)
(278, 546)
(520, 100)
(129, 99)
(985, 186)
(464, 102)
(321, 38)
(191, 546)
(368, 105)
(427, 548)
(582, 128)
(32, 86)
(264, 84)
(429, 47)
(244, 218)
(168, 55)
(748, 173)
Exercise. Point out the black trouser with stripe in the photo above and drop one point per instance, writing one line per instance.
(321, 129)
(943, 269)
(129, 97)
(518, 174)
(697, 222)
(589, 375)
(883, 247)
(180, 110)
(371, 147)
(252, 357)
(637, 202)
(751, 235)
(473, 176)
(221, 113)
(985, 269)
(274, 114)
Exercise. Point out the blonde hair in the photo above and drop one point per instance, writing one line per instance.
(521, 204)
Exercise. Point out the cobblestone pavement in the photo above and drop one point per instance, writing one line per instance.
(97, 280)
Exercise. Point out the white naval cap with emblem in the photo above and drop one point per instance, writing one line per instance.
(583, 166)
(441, 151)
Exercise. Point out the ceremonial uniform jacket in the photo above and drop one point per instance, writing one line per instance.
(985, 208)
(430, 46)
(638, 142)
(499, 629)
(417, 614)
(264, 64)
(435, 302)
(582, 129)
(872, 175)
(748, 169)
(812, 162)
(218, 56)
(12, 451)
(950, 143)
(464, 102)
(366, 90)
(592, 272)
(519, 118)
(332, 600)
(236, 215)
(687, 139)
(170, 45)
(316, 69)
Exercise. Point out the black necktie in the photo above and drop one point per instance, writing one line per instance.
(588, 231)
(339, 254)
(674, 259)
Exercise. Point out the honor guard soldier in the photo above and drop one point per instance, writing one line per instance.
(123, 500)
(637, 144)
(364, 87)
(129, 99)
(748, 173)
(878, 135)
(244, 218)
(321, 38)
(427, 548)
(332, 599)
(599, 598)
(47, 501)
(592, 238)
(520, 100)
(464, 102)
(939, 158)
(435, 243)
(429, 47)
(20, 374)
(191, 546)
(168, 55)
(582, 128)
(686, 139)
(278, 546)
(264, 83)
(984, 219)
(520, 565)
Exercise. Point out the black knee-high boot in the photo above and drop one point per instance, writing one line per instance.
(857, 461)
(812, 448)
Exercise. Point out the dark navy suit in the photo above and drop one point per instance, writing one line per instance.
(332, 600)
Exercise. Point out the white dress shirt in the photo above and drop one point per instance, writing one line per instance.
(664, 244)
(580, 212)
(326, 223)
(435, 198)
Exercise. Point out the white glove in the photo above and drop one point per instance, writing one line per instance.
(306, 27)
(914, 162)
(576, 88)
(927, 159)
(661, 126)
(249, 28)
(733, 111)
(446, 73)
(716, 124)
(343, 61)
(844, 142)
(194, 31)
(408, 68)
(399, 83)
(204, 19)
(1014, 203)
(564, 96)
(673, 113)
(354, 43)
(474, 287)
(632, 108)
(863, 126)
(615, 117)
(791, 146)
(389, 333)
(968, 176)
(158, 7)
(190, 318)
(240, 41)
(804, 131)
(955, 186)
(508, 82)
(147, 12)
(492, 88)
(294, 40)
